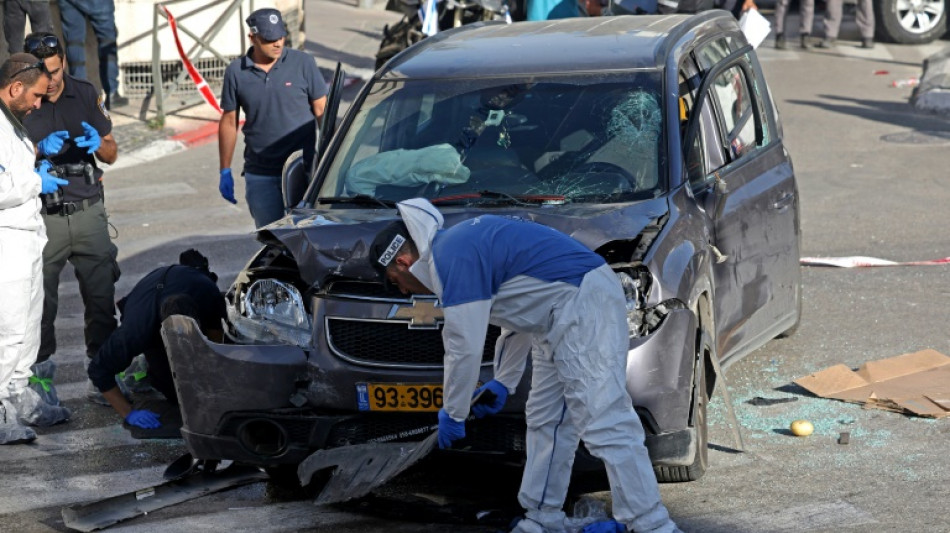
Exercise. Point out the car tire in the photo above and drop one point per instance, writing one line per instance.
(696, 470)
(929, 26)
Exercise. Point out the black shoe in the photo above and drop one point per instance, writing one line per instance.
(867, 43)
(826, 43)
(806, 42)
(780, 41)
(114, 100)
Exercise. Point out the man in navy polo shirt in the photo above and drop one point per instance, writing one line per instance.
(283, 95)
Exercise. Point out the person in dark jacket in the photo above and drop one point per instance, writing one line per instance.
(188, 288)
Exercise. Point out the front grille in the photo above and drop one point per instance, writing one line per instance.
(393, 343)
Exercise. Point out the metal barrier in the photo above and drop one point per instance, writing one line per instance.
(202, 43)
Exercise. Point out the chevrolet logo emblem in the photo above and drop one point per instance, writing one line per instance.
(424, 314)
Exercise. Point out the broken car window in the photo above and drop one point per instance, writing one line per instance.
(586, 140)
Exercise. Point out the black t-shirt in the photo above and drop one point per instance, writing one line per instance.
(79, 102)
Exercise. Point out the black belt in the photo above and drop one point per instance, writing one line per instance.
(71, 208)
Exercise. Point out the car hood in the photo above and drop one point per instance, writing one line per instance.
(333, 243)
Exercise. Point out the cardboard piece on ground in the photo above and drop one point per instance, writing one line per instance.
(915, 383)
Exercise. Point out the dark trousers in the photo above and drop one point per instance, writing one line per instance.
(83, 239)
(101, 15)
(15, 13)
(159, 370)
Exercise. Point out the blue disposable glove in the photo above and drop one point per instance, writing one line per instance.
(53, 143)
(143, 419)
(226, 185)
(449, 430)
(483, 408)
(49, 182)
(91, 140)
(605, 526)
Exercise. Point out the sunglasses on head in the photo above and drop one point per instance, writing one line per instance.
(34, 43)
(39, 65)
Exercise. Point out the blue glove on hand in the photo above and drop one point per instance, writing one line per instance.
(449, 430)
(91, 140)
(53, 143)
(49, 182)
(501, 395)
(226, 185)
(143, 419)
(605, 526)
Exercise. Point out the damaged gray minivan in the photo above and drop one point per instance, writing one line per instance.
(653, 140)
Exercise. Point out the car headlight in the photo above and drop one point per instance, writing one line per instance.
(271, 311)
(631, 291)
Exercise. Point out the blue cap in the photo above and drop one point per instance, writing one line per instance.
(267, 24)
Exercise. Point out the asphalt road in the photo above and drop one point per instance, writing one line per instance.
(872, 177)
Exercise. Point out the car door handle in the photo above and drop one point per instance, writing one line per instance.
(784, 201)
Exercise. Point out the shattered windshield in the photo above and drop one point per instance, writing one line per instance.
(594, 139)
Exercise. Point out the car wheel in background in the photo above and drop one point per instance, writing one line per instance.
(904, 22)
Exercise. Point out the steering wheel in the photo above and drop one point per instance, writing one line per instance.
(603, 167)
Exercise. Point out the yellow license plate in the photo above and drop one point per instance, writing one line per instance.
(415, 397)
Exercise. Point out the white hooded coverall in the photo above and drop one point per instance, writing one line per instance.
(22, 237)
(545, 287)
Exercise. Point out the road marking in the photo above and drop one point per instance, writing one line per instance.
(289, 516)
(70, 442)
(30, 491)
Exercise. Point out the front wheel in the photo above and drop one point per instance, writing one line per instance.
(696, 470)
(903, 22)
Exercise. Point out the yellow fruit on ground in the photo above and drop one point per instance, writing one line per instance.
(801, 428)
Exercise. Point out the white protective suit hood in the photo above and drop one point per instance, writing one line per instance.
(423, 221)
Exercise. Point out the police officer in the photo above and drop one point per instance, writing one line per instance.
(73, 130)
(283, 95)
(188, 288)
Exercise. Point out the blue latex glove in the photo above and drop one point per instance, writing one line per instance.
(449, 430)
(91, 140)
(49, 182)
(143, 419)
(501, 395)
(226, 185)
(53, 143)
(605, 526)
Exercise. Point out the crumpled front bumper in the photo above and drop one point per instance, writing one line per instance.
(247, 403)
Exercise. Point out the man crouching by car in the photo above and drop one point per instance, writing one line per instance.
(187, 288)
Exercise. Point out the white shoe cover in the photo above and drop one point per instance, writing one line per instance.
(33, 411)
(11, 430)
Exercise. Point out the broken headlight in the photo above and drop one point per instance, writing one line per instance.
(634, 298)
(271, 312)
(642, 320)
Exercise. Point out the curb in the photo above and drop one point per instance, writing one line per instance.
(198, 136)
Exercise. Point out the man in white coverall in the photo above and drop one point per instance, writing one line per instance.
(23, 80)
(542, 286)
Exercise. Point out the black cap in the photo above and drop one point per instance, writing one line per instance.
(387, 243)
(267, 23)
(193, 258)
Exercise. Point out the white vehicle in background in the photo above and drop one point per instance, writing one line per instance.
(910, 21)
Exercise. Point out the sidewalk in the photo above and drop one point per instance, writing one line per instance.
(337, 31)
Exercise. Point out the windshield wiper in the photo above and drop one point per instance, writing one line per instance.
(501, 198)
(359, 199)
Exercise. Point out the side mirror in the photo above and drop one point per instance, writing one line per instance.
(294, 179)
